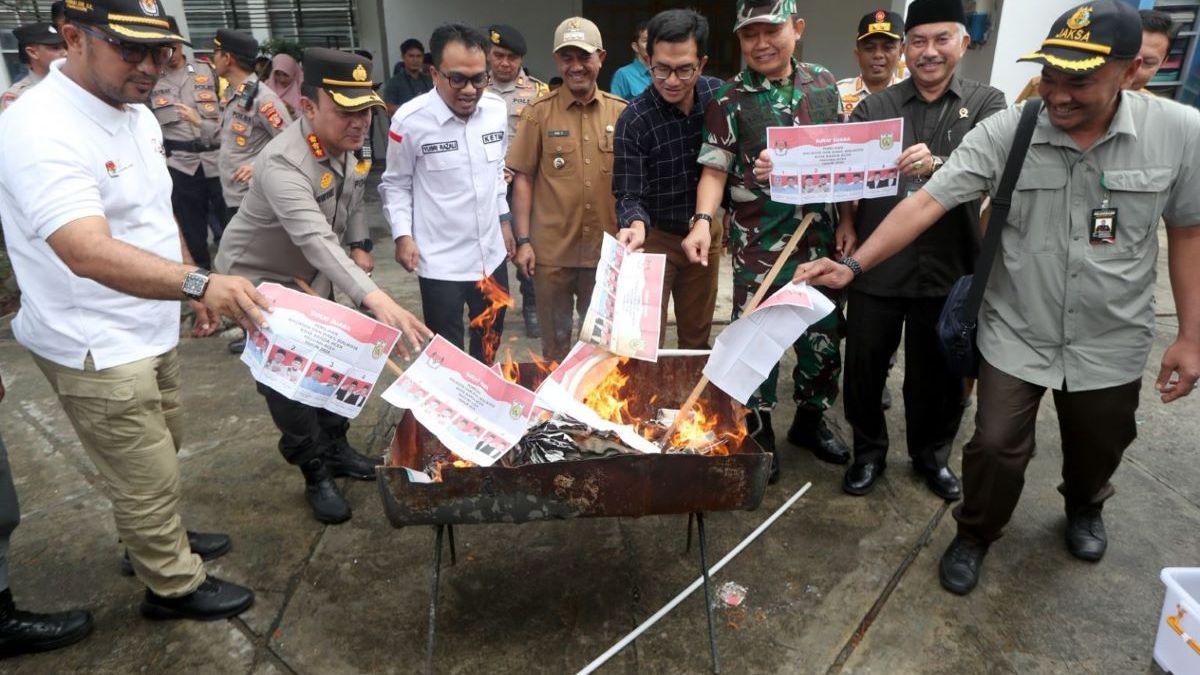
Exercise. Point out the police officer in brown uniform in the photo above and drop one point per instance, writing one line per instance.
(185, 103)
(252, 113)
(302, 210)
(512, 83)
(37, 45)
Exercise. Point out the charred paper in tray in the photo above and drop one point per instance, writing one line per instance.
(560, 439)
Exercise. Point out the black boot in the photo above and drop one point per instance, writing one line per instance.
(26, 632)
(207, 545)
(343, 460)
(810, 431)
(215, 599)
(532, 328)
(1086, 538)
(959, 568)
(758, 427)
(327, 502)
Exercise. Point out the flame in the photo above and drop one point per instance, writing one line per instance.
(509, 368)
(498, 299)
(698, 429)
(441, 464)
(608, 398)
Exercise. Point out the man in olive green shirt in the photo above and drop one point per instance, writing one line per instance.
(1069, 305)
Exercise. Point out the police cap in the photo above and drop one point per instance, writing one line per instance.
(507, 37)
(345, 77)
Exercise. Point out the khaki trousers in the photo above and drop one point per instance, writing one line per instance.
(693, 287)
(128, 420)
(561, 291)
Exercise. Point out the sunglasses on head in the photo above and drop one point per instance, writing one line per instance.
(135, 53)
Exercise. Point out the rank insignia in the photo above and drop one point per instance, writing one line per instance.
(326, 180)
(272, 115)
(315, 146)
(362, 167)
(238, 127)
(241, 141)
(161, 101)
(201, 79)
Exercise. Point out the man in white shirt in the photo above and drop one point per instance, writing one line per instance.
(99, 259)
(444, 191)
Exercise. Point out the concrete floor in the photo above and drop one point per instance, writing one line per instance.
(839, 584)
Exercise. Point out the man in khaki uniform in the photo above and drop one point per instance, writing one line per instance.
(252, 113)
(37, 45)
(303, 208)
(517, 88)
(185, 103)
(562, 159)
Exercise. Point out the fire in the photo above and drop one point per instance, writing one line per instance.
(608, 398)
(509, 368)
(544, 366)
(498, 299)
(441, 464)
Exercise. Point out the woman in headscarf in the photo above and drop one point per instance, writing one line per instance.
(285, 80)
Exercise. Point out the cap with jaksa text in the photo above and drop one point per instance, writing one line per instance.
(1090, 35)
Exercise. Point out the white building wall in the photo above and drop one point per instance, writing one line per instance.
(1023, 26)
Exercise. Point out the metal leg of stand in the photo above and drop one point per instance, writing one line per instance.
(433, 598)
(708, 603)
(453, 553)
(688, 547)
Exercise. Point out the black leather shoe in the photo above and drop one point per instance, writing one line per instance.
(328, 504)
(207, 545)
(941, 481)
(860, 478)
(343, 460)
(215, 599)
(809, 430)
(1086, 538)
(532, 328)
(758, 427)
(959, 568)
(237, 346)
(27, 632)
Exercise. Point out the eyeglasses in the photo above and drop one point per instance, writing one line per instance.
(684, 73)
(135, 53)
(458, 80)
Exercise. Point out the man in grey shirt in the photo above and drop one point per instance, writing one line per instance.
(1069, 306)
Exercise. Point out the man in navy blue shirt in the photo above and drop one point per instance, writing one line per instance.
(655, 171)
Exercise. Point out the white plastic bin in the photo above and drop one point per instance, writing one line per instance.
(1177, 647)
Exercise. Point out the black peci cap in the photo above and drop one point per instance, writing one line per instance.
(236, 42)
(125, 20)
(507, 37)
(922, 12)
(345, 77)
(37, 34)
(1087, 36)
(880, 22)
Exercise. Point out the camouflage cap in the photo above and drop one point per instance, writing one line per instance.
(763, 11)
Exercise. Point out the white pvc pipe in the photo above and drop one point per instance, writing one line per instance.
(684, 352)
(603, 658)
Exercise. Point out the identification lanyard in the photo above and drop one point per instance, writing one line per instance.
(914, 183)
(1102, 226)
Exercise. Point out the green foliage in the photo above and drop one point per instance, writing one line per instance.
(274, 46)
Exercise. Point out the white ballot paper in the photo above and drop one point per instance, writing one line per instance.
(470, 407)
(824, 163)
(318, 352)
(564, 390)
(625, 314)
(747, 350)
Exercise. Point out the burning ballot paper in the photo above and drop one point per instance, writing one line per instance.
(747, 350)
(625, 314)
(318, 352)
(822, 163)
(471, 408)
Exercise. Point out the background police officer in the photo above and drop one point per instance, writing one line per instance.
(37, 45)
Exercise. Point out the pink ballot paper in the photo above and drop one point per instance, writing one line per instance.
(318, 352)
(470, 407)
(824, 163)
(747, 350)
(625, 313)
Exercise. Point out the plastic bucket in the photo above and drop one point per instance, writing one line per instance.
(1177, 646)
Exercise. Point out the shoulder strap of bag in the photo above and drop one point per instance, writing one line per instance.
(1000, 205)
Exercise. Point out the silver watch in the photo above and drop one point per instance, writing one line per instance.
(195, 283)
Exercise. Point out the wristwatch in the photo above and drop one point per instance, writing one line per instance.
(366, 244)
(936, 164)
(853, 265)
(195, 283)
(521, 241)
(697, 218)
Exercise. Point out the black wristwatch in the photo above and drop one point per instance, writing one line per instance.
(521, 241)
(853, 265)
(698, 217)
(195, 283)
(366, 245)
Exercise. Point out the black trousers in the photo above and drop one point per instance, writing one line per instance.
(193, 199)
(306, 432)
(933, 396)
(442, 303)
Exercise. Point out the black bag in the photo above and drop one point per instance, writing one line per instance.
(957, 326)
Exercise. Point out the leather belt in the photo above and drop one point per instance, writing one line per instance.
(189, 146)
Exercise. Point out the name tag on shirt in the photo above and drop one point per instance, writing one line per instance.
(434, 148)
(1104, 227)
(558, 133)
(494, 137)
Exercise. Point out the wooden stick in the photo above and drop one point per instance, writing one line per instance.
(392, 365)
(693, 397)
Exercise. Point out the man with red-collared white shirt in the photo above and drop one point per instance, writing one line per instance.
(880, 35)
(444, 190)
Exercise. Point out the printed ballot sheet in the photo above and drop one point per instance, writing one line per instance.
(470, 407)
(747, 350)
(825, 163)
(625, 313)
(318, 352)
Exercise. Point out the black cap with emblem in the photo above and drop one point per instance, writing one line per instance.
(1087, 36)
(507, 37)
(345, 77)
(125, 20)
(236, 42)
(880, 22)
(922, 12)
(37, 34)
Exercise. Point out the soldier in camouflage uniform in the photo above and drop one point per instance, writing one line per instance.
(774, 90)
